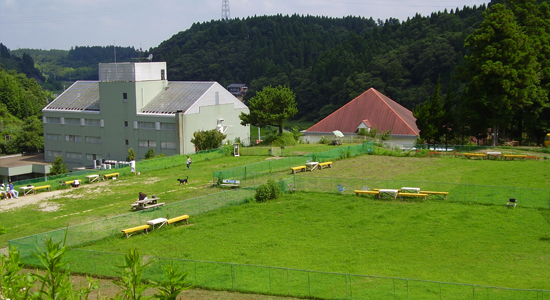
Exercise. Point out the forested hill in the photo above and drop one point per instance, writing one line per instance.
(326, 61)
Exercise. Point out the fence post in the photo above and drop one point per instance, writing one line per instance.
(308, 285)
(233, 276)
(407, 288)
(287, 283)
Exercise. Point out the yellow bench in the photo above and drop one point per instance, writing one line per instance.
(442, 195)
(177, 219)
(112, 175)
(475, 154)
(374, 193)
(128, 231)
(512, 156)
(420, 195)
(43, 187)
(327, 164)
(299, 168)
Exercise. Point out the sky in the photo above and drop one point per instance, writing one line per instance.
(62, 24)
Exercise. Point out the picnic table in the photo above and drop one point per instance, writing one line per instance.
(388, 193)
(92, 178)
(27, 190)
(157, 221)
(412, 190)
(310, 166)
(146, 203)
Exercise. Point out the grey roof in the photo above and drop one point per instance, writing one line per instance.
(179, 95)
(82, 95)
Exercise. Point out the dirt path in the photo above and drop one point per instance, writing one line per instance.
(39, 197)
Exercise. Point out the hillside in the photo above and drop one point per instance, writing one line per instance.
(326, 61)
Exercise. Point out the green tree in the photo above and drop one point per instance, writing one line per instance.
(150, 153)
(31, 138)
(271, 106)
(429, 117)
(209, 139)
(58, 167)
(131, 154)
(500, 72)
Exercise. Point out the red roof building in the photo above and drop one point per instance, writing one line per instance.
(370, 109)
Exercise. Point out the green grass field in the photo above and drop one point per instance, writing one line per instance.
(433, 240)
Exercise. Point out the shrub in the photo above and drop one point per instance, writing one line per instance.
(58, 167)
(268, 191)
(285, 139)
(150, 153)
(323, 140)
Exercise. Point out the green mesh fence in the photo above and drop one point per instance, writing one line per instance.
(276, 165)
(483, 194)
(286, 281)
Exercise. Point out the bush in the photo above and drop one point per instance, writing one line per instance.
(268, 191)
(285, 139)
(150, 153)
(323, 140)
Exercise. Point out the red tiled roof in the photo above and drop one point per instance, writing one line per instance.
(373, 108)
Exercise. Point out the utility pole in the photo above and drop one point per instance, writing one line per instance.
(225, 10)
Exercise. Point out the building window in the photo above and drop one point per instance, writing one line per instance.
(93, 140)
(53, 137)
(167, 145)
(73, 138)
(92, 157)
(92, 122)
(124, 97)
(74, 155)
(72, 121)
(125, 123)
(146, 125)
(127, 143)
(147, 143)
(167, 126)
(52, 153)
(53, 120)
(162, 74)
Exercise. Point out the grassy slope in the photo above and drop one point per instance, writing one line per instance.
(450, 242)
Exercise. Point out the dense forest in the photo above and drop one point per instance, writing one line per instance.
(325, 61)
(425, 63)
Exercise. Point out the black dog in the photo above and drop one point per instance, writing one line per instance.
(184, 181)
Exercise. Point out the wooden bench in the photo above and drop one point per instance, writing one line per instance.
(111, 175)
(177, 219)
(231, 183)
(475, 155)
(43, 187)
(441, 195)
(421, 195)
(327, 164)
(298, 168)
(514, 156)
(70, 182)
(129, 231)
(372, 193)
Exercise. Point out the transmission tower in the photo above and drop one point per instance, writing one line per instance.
(225, 10)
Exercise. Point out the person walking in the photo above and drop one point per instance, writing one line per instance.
(188, 162)
(133, 166)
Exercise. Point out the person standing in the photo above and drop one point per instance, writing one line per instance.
(188, 162)
(133, 166)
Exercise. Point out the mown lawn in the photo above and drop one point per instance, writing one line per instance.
(432, 240)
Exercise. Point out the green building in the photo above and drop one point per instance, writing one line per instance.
(133, 105)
